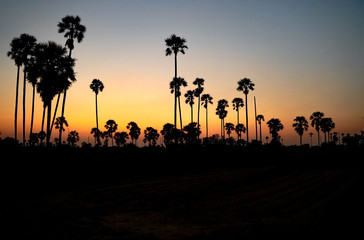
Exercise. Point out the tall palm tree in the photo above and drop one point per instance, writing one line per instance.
(73, 29)
(245, 85)
(300, 126)
(54, 67)
(96, 86)
(316, 123)
(222, 113)
(240, 128)
(32, 76)
(15, 54)
(168, 133)
(237, 103)
(229, 127)
(199, 82)
(151, 136)
(260, 118)
(21, 50)
(326, 125)
(175, 87)
(189, 95)
(175, 45)
(275, 126)
(206, 100)
(111, 127)
(134, 131)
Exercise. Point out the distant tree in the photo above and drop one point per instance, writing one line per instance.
(275, 126)
(33, 139)
(300, 126)
(96, 86)
(222, 113)
(97, 134)
(191, 133)
(59, 123)
(189, 95)
(206, 99)
(175, 87)
(229, 127)
(111, 127)
(260, 118)
(237, 104)
(134, 131)
(73, 138)
(326, 125)
(151, 136)
(316, 123)
(199, 82)
(175, 45)
(41, 136)
(120, 138)
(168, 133)
(240, 128)
(245, 85)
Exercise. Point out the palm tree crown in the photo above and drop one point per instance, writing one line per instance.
(300, 125)
(70, 25)
(245, 85)
(175, 45)
(97, 86)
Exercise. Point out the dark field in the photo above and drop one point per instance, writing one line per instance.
(184, 193)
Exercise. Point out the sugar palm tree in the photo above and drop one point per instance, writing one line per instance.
(73, 29)
(229, 127)
(73, 138)
(134, 131)
(120, 138)
(175, 87)
(300, 126)
(189, 95)
(97, 86)
(21, 49)
(60, 121)
(316, 122)
(168, 133)
(199, 82)
(275, 126)
(260, 118)
(245, 85)
(151, 136)
(326, 125)
(237, 103)
(240, 128)
(222, 113)
(175, 45)
(206, 100)
(54, 67)
(111, 127)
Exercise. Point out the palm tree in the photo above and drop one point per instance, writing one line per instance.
(59, 124)
(191, 132)
(245, 85)
(120, 138)
(326, 125)
(237, 103)
(134, 131)
(189, 95)
(175, 45)
(260, 118)
(21, 49)
(300, 125)
(222, 113)
(73, 138)
(316, 122)
(151, 136)
(175, 87)
(54, 68)
(240, 128)
(97, 134)
(73, 29)
(111, 127)
(96, 86)
(206, 99)
(198, 91)
(275, 126)
(229, 127)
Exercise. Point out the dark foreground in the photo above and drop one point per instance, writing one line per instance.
(215, 193)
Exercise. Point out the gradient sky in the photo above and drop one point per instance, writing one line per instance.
(303, 56)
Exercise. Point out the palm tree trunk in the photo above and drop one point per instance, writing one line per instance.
(31, 121)
(191, 114)
(44, 108)
(256, 126)
(318, 137)
(24, 91)
(260, 131)
(301, 140)
(180, 112)
(61, 127)
(16, 106)
(207, 127)
(198, 115)
(246, 113)
(55, 111)
(49, 123)
(97, 117)
(175, 92)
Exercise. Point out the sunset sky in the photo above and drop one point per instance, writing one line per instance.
(303, 56)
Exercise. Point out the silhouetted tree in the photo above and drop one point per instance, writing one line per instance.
(134, 131)
(191, 133)
(260, 118)
(97, 86)
(198, 91)
(97, 134)
(189, 95)
(73, 138)
(21, 49)
(175, 45)
(168, 133)
(73, 29)
(151, 136)
(175, 87)
(300, 126)
(111, 127)
(316, 122)
(120, 138)
(240, 128)
(275, 126)
(326, 125)
(206, 99)
(245, 85)
(237, 103)
(229, 127)
(59, 123)
(222, 113)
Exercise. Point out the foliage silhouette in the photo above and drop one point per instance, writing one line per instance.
(134, 131)
(300, 125)
(73, 138)
(245, 85)
(326, 125)
(260, 118)
(190, 95)
(240, 128)
(111, 127)
(120, 138)
(275, 126)
(199, 82)
(222, 113)
(237, 104)
(206, 100)
(316, 122)
(151, 136)
(96, 86)
(175, 86)
(229, 127)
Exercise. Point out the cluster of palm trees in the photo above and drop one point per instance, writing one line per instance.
(49, 69)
